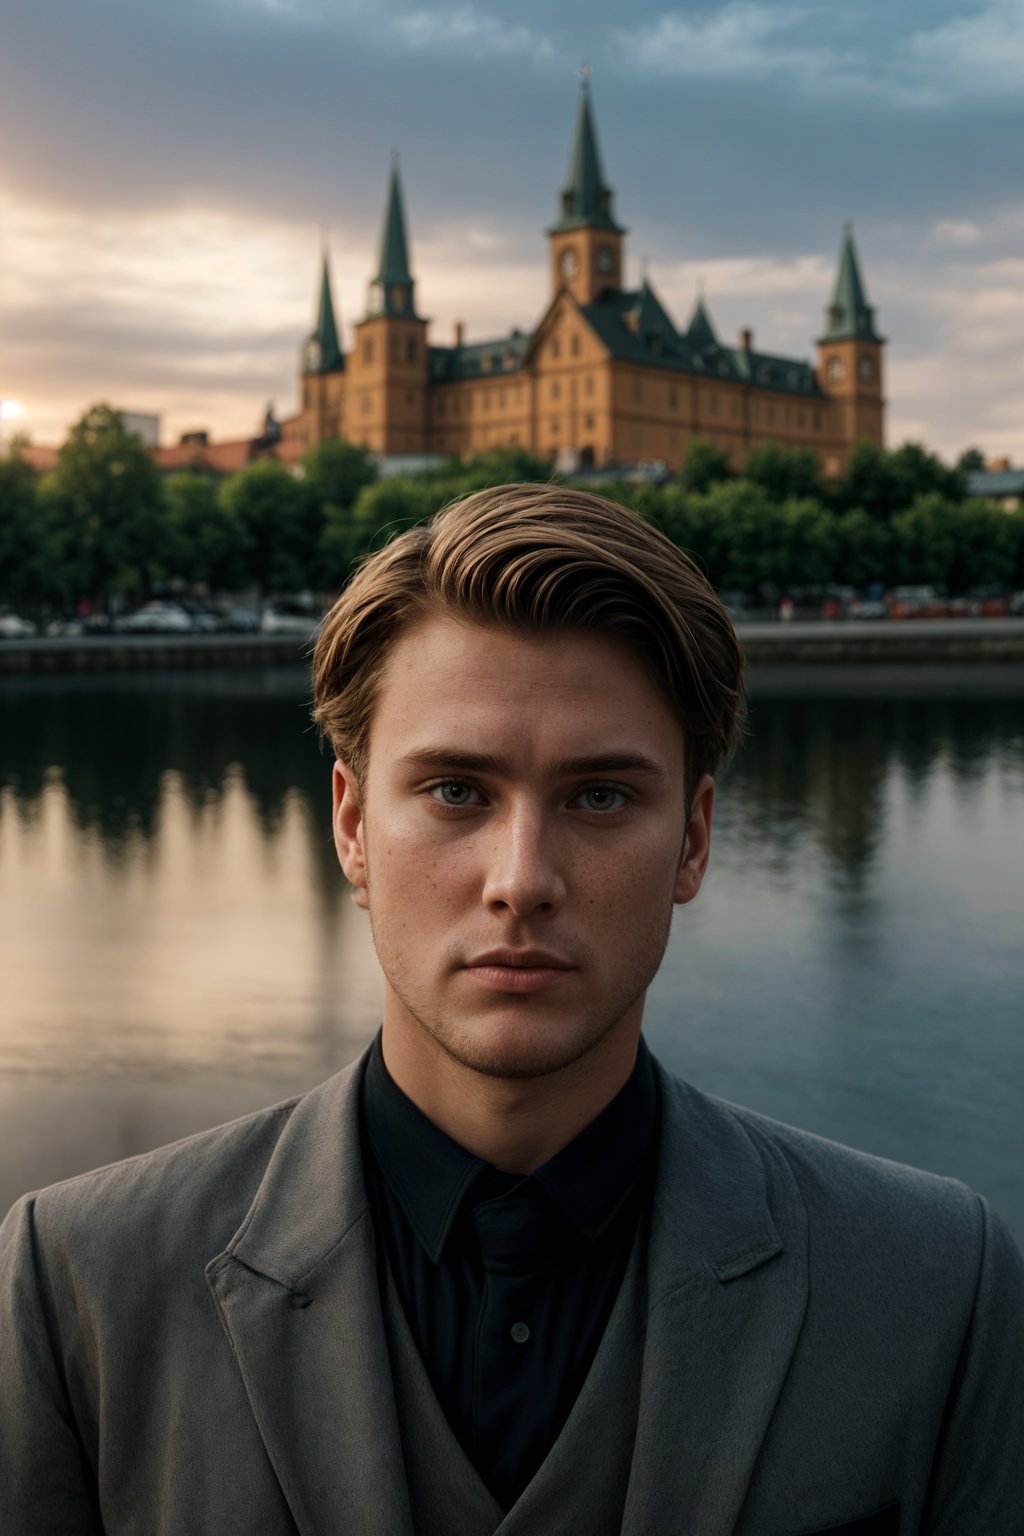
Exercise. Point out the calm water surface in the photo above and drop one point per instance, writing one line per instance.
(177, 946)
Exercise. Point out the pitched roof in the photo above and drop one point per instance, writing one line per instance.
(326, 332)
(393, 266)
(635, 328)
(586, 199)
(503, 355)
(700, 332)
(849, 315)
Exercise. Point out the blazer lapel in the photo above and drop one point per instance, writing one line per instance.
(727, 1289)
(297, 1294)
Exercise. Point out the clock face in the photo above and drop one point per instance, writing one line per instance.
(376, 303)
(605, 259)
(569, 263)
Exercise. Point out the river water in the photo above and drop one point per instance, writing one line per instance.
(177, 946)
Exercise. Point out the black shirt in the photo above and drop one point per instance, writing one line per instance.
(507, 1282)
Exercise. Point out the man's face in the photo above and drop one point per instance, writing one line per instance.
(520, 842)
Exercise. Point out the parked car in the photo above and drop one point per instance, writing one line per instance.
(155, 618)
(14, 627)
(916, 603)
(1017, 605)
(867, 608)
(284, 619)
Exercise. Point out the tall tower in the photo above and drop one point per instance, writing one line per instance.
(386, 406)
(850, 354)
(323, 368)
(586, 243)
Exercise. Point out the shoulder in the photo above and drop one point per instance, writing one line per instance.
(861, 1210)
(191, 1194)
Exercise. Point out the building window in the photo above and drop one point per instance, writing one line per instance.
(395, 349)
(589, 385)
(673, 398)
(367, 351)
(835, 371)
(554, 426)
(556, 347)
(556, 389)
(410, 350)
(588, 423)
(574, 346)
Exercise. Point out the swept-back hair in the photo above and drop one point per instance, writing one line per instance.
(537, 559)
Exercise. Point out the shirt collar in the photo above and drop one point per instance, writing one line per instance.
(430, 1175)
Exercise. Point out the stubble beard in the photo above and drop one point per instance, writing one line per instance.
(510, 1056)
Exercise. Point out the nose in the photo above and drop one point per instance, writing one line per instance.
(523, 874)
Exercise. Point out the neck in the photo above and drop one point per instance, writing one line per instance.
(517, 1124)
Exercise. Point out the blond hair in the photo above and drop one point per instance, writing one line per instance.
(537, 559)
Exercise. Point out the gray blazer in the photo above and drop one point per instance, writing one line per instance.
(191, 1341)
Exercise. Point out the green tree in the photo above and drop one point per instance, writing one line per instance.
(18, 529)
(390, 507)
(970, 461)
(924, 542)
(807, 552)
(863, 549)
(984, 547)
(335, 471)
(705, 465)
(205, 545)
(277, 524)
(112, 499)
(883, 483)
(783, 472)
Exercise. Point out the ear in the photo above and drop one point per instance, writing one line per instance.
(697, 845)
(349, 838)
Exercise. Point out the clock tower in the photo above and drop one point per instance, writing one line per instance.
(586, 243)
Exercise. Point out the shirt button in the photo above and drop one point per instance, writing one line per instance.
(520, 1333)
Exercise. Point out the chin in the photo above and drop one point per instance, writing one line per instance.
(513, 1048)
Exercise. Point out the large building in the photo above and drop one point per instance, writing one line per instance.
(604, 378)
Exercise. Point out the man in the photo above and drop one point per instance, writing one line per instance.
(505, 1274)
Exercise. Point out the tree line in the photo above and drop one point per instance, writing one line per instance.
(106, 527)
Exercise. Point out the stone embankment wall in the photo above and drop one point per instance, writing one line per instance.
(936, 642)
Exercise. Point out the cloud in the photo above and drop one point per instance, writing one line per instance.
(466, 30)
(980, 55)
(956, 232)
(964, 59)
(740, 41)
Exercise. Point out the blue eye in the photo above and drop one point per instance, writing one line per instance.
(453, 792)
(602, 797)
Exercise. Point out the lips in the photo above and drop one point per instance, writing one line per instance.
(518, 970)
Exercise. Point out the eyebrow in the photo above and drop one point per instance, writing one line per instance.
(455, 760)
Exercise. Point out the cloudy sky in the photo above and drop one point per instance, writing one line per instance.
(166, 167)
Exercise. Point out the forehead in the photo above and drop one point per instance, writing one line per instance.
(531, 697)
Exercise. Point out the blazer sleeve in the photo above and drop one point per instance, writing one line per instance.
(47, 1487)
(977, 1484)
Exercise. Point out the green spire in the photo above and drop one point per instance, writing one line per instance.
(391, 291)
(700, 333)
(849, 314)
(586, 200)
(323, 354)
